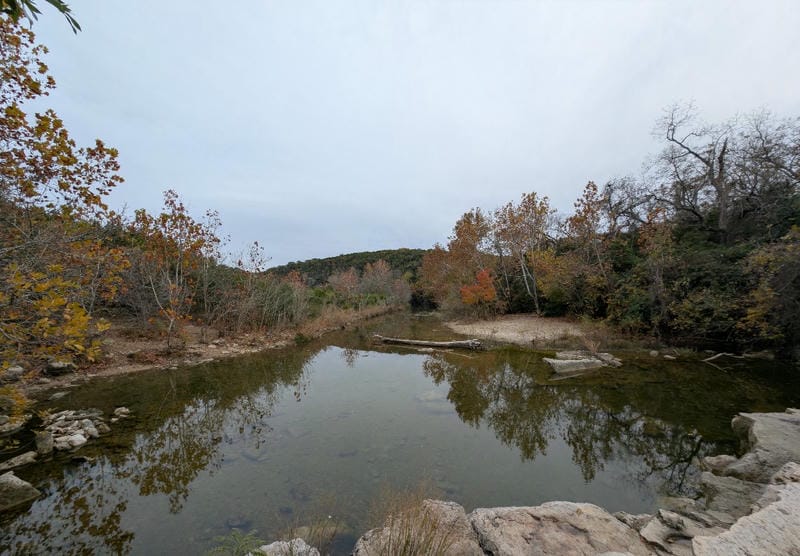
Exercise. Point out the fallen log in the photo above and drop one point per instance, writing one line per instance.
(463, 344)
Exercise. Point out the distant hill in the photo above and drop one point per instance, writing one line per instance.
(317, 271)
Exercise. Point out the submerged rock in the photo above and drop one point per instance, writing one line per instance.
(23, 459)
(15, 492)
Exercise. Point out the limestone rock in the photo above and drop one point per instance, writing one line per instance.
(772, 441)
(76, 440)
(23, 459)
(673, 532)
(697, 511)
(59, 368)
(13, 374)
(570, 366)
(716, 464)
(729, 495)
(44, 442)
(554, 528)
(789, 473)
(15, 425)
(296, 547)
(634, 521)
(441, 527)
(775, 529)
(15, 492)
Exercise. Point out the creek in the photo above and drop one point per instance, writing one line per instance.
(320, 431)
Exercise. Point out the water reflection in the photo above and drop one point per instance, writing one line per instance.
(510, 391)
(84, 503)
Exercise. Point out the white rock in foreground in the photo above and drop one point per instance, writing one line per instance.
(771, 440)
(775, 529)
(296, 547)
(554, 528)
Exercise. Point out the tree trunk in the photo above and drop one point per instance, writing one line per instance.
(465, 344)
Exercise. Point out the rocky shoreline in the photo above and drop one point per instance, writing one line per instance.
(750, 506)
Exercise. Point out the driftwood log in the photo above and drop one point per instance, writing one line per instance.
(463, 344)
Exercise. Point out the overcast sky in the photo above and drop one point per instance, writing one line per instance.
(327, 127)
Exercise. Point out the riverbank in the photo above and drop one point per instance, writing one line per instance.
(125, 352)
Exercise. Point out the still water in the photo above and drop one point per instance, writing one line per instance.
(265, 443)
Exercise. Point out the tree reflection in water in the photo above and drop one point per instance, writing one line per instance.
(83, 506)
(528, 411)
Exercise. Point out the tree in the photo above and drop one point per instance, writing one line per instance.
(695, 164)
(27, 8)
(174, 246)
(445, 270)
(521, 232)
(54, 255)
(481, 294)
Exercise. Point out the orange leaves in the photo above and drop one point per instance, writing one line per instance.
(482, 291)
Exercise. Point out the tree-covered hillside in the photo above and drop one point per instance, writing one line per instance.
(317, 271)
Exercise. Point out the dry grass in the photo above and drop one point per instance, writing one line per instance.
(320, 525)
(409, 527)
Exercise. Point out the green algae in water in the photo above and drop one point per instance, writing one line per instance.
(280, 441)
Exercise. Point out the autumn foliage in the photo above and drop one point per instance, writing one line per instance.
(701, 250)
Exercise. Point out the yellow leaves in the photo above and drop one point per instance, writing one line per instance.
(41, 320)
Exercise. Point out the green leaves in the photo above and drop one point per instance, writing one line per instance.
(28, 9)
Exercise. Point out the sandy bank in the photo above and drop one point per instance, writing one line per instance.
(526, 330)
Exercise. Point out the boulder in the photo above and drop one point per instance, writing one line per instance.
(672, 532)
(15, 492)
(296, 547)
(76, 440)
(729, 496)
(57, 368)
(14, 425)
(771, 441)
(12, 374)
(716, 464)
(24, 459)
(774, 529)
(437, 527)
(554, 528)
(44, 442)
